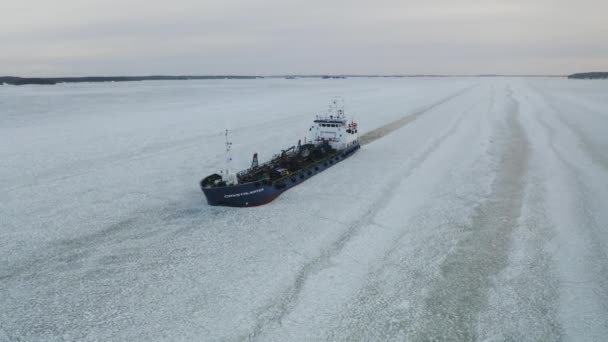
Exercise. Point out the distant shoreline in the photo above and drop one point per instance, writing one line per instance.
(13, 80)
(597, 75)
(54, 80)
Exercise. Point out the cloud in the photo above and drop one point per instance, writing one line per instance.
(68, 37)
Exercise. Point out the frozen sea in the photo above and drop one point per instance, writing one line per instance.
(476, 210)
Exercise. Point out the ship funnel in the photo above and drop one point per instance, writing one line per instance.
(254, 162)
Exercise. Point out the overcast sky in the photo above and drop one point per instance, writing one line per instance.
(265, 37)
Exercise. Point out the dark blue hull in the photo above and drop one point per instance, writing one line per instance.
(258, 193)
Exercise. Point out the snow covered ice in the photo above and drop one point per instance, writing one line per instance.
(476, 210)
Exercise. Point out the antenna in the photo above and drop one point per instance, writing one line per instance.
(230, 178)
(337, 105)
(228, 152)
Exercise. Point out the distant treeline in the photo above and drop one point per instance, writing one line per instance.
(55, 80)
(589, 75)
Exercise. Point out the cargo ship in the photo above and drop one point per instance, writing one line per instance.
(332, 138)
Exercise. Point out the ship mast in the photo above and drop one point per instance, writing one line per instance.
(230, 178)
(228, 153)
(337, 106)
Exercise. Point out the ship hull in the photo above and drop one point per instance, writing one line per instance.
(258, 193)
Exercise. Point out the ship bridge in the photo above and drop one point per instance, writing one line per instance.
(333, 127)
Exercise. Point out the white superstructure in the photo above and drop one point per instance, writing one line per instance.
(334, 128)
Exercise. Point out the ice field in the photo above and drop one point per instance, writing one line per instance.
(476, 210)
